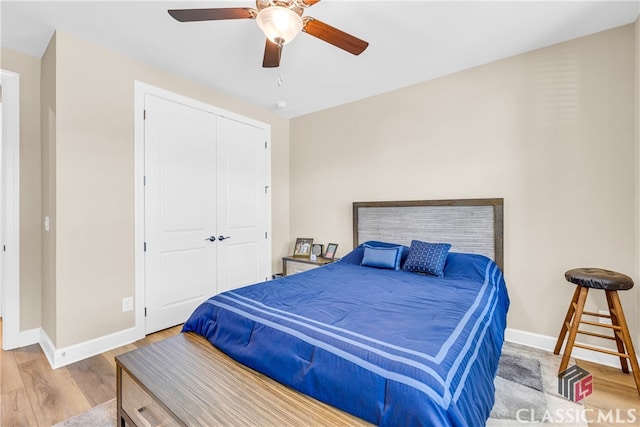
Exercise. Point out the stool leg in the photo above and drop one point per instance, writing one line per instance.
(626, 337)
(573, 330)
(567, 321)
(615, 321)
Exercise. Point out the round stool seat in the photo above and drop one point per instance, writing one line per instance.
(599, 278)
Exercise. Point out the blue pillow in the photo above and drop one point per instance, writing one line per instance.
(382, 257)
(469, 266)
(427, 258)
(355, 256)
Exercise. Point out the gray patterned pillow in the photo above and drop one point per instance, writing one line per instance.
(427, 258)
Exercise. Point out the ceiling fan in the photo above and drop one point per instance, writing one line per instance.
(281, 21)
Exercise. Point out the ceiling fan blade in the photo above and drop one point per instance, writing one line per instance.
(190, 15)
(334, 36)
(272, 53)
(308, 3)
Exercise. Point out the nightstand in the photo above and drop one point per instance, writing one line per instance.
(292, 265)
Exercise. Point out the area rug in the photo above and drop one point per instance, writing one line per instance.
(526, 394)
(103, 415)
(527, 391)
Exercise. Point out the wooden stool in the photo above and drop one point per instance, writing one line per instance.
(611, 282)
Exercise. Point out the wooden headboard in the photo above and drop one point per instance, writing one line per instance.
(469, 225)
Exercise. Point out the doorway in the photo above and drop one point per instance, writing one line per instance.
(1, 199)
(10, 210)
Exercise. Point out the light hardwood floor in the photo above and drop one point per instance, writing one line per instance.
(613, 391)
(33, 394)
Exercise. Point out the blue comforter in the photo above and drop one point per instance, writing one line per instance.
(391, 347)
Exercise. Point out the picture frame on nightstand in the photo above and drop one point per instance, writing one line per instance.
(302, 247)
(316, 251)
(331, 250)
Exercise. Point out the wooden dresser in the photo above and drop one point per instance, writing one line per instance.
(184, 380)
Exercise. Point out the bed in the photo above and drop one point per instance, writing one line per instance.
(390, 346)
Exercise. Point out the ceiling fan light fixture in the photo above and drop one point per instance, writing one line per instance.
(279, 24)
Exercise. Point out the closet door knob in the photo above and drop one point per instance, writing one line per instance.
(221, 237)
(211, 238)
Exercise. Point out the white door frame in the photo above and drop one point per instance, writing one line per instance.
(10, 217)
(140, 90)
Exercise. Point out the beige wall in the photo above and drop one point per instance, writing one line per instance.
(28, 68)
(637, 157)
(551, 131)
(94, 210)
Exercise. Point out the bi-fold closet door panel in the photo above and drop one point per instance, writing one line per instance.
(242, 208)
(205, 178)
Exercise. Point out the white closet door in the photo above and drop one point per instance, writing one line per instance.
(242, 216)
(180, 211)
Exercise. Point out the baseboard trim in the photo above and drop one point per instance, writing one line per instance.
(47, 347)
(29, 337)
(548, 343)
(64, 356)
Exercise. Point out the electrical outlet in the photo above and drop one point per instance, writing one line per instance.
(127, 304)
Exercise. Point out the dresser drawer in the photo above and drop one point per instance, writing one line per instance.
(294, 267)
(141, 408)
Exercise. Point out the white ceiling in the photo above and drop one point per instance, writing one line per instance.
(410, 41)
